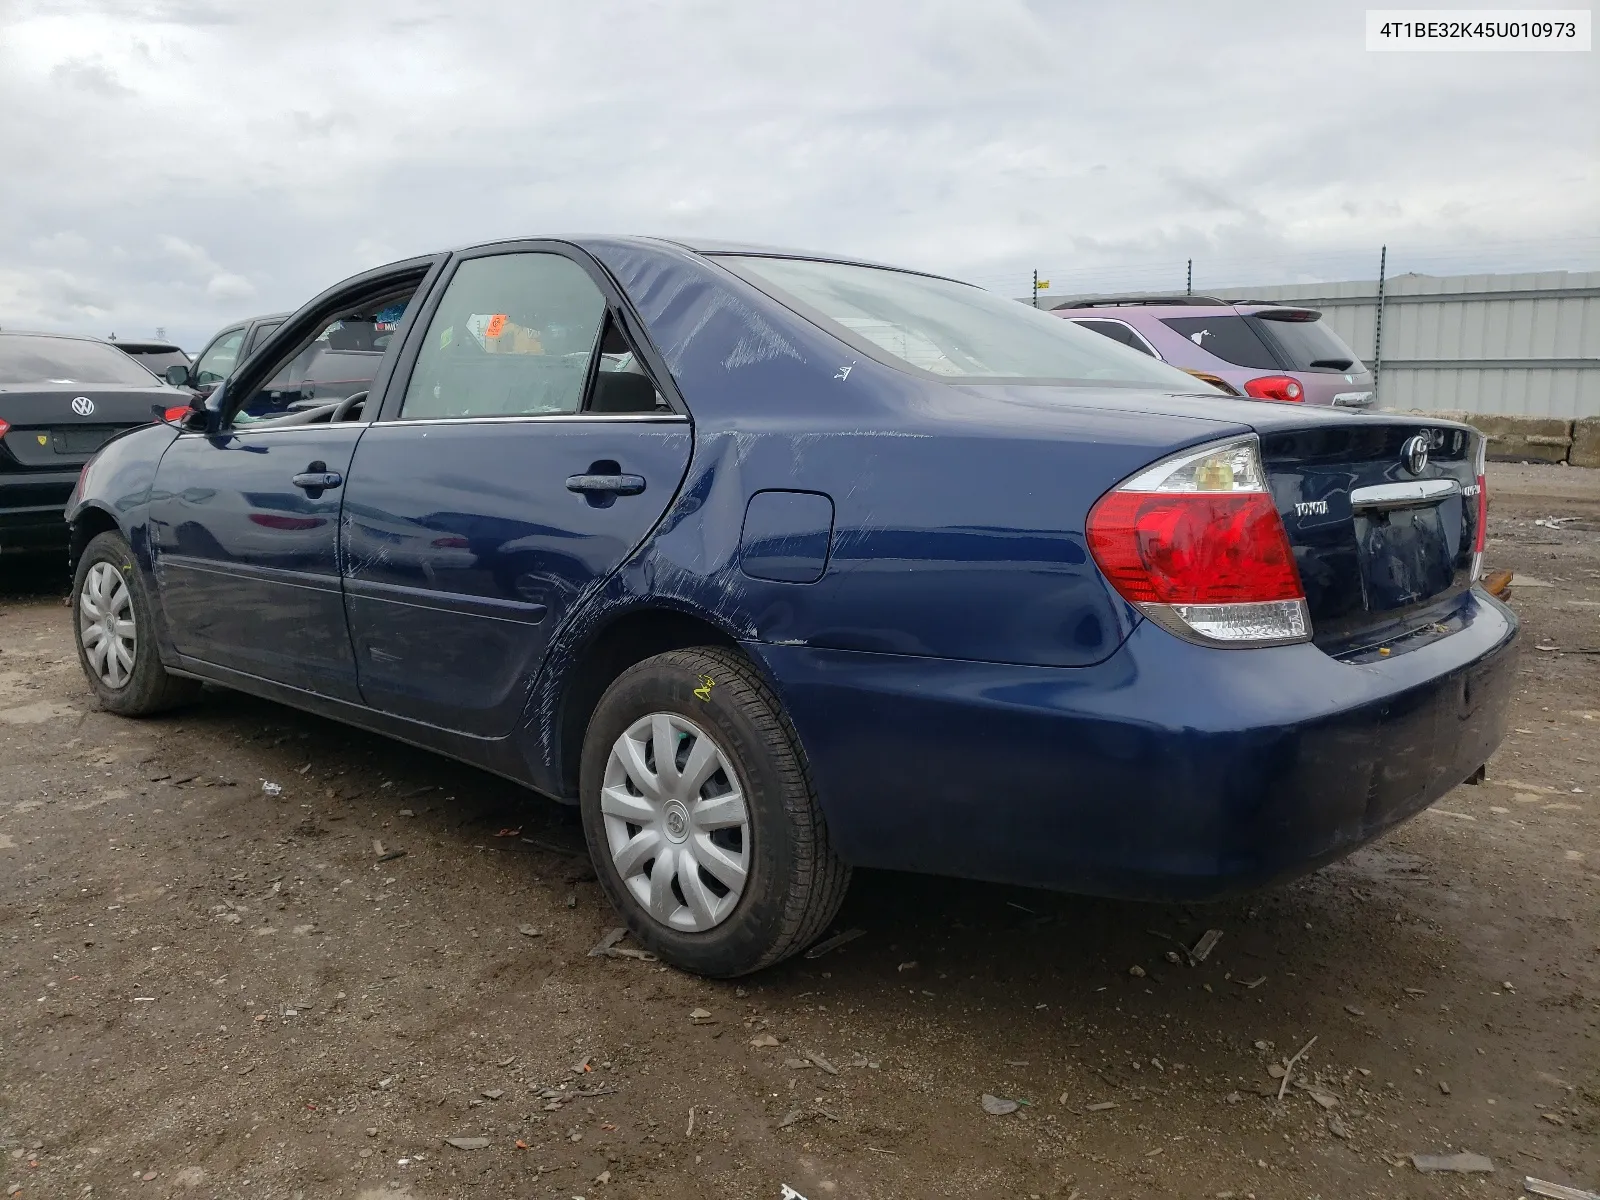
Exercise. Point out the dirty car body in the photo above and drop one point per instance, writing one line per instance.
(903, 547)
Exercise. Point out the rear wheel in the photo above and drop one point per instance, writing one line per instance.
(701, 818)
(116, 641)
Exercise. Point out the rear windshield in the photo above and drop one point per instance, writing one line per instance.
(36, 360)
(1230, 338)
(950, 329)
(157, 360)
(1309, 345)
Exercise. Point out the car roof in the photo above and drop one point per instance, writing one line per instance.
(66, 337)
(1120, 306)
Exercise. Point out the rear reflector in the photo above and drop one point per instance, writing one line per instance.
(1276, 387)
(1196, 544)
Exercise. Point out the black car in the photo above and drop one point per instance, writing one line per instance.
(61, 399)
(155, 356)
(340, 362)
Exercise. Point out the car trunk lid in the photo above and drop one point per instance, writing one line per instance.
(1383, 517)
(51, 428)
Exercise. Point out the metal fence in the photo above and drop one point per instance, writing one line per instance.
(1522, 345)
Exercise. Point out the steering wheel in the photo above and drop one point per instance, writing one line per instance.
(346, 406)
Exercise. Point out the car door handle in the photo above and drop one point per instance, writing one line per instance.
(616, 485)
(317, 477)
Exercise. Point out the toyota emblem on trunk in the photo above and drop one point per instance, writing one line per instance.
(1414, 454)
(82, 405)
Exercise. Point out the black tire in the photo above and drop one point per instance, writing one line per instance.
(148, 688)
(795, 881)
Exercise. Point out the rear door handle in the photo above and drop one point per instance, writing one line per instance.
(616, 485)
(317, 478)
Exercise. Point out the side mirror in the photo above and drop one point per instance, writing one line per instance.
(178, 375)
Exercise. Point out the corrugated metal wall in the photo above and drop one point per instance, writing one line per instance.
(1525, 345)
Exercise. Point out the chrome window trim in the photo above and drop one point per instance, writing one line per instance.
(646, 418)
(1144, 341)
(1404, 495)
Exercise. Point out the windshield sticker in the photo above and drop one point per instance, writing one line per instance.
(446, 336)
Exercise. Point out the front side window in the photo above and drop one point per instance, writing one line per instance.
(513, 336)
(951, 329)
(219, 359)
(41, 360)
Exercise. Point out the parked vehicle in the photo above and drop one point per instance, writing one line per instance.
(777, 566)
(1267, 351)
(61, 398)
(154, 356)
(339, 362)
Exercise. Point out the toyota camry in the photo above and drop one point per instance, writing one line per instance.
(778, 565)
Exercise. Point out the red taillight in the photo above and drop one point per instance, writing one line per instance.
(1196, 544)
(177, 412)
(1276, 387)
(1193, 548)
(4, 426)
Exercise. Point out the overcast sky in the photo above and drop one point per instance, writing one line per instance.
(182, 163)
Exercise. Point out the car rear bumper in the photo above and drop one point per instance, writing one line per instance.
(1169, 771)
(32, 509)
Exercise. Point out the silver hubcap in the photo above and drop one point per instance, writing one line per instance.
(105, 624)
(676, 822)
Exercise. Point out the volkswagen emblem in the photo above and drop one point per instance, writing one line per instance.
(1414, 454)
(83, 406)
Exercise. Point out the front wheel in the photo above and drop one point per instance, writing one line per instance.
(701, 818)
(116, 634)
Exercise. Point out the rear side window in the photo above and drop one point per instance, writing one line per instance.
(1230, 338)
(1117, 332)
(513, 336)
(1309, 345)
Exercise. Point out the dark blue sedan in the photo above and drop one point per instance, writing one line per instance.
(778, 565)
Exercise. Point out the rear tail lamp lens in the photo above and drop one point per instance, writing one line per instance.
(1276, 387)
(1196, 544)
(1480, 534)
(177, 412)
(5, 427)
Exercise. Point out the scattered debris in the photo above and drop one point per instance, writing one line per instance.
(1498, 584)
(1103, 1106)
(997, 1106)
(689, 1132)
(833, 943)
(821, 1062)
(1136, 971)
(1463, 1162)
(699, 1014)
(763, 1040)
(1444, 1087)
(493, 1093)
(793, 1116)
(602, 948)
(1251, 983)
(1207, 943)
(1355, 1010)
(509, 832)
(1288, 1067)
(270, 788)
(391, 856)
(1337, 1128)
(529, 931)
(553, 848)
(1555, 522)
(1556, 1191)
(1326, 1100)
(907, 966)
(468, 1143)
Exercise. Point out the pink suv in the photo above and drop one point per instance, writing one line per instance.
(1267, 351)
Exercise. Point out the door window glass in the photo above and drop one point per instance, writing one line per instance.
(1230, 338)
(513, 336)
(1118, 332)
(219, 359)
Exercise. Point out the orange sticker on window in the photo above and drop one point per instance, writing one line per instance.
(497, 324)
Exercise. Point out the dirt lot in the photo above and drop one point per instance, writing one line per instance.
(207, 990)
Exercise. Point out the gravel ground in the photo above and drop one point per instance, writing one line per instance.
(207, 990)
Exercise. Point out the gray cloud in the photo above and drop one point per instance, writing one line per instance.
(183, 163)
